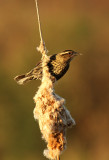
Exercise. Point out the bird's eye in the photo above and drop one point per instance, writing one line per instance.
(69, 53)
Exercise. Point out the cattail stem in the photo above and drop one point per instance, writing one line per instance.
(40, 32)
(41, 47)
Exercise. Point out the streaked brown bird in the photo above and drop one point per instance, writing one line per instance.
(58, 65)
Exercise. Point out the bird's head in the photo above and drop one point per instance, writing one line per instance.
(66, 56)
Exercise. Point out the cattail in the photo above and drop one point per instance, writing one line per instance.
(52, 115)
(50, 110)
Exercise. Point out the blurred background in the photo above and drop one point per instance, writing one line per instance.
(73, 24)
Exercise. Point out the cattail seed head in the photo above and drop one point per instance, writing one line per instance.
(52, 115)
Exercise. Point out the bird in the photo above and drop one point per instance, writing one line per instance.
(58, 65)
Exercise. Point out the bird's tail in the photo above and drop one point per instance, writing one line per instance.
(22, 79)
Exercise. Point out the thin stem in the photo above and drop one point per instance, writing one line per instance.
(39, 22)
(41, 47)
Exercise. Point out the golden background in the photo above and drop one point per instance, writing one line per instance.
(73, 24)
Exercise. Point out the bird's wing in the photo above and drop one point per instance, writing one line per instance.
(35, 73)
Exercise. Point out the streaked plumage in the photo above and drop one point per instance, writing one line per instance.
(58, 66)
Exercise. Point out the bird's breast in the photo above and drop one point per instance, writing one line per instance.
(57, 69)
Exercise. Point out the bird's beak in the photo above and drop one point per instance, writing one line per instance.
(76, 54)
(80, 54)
